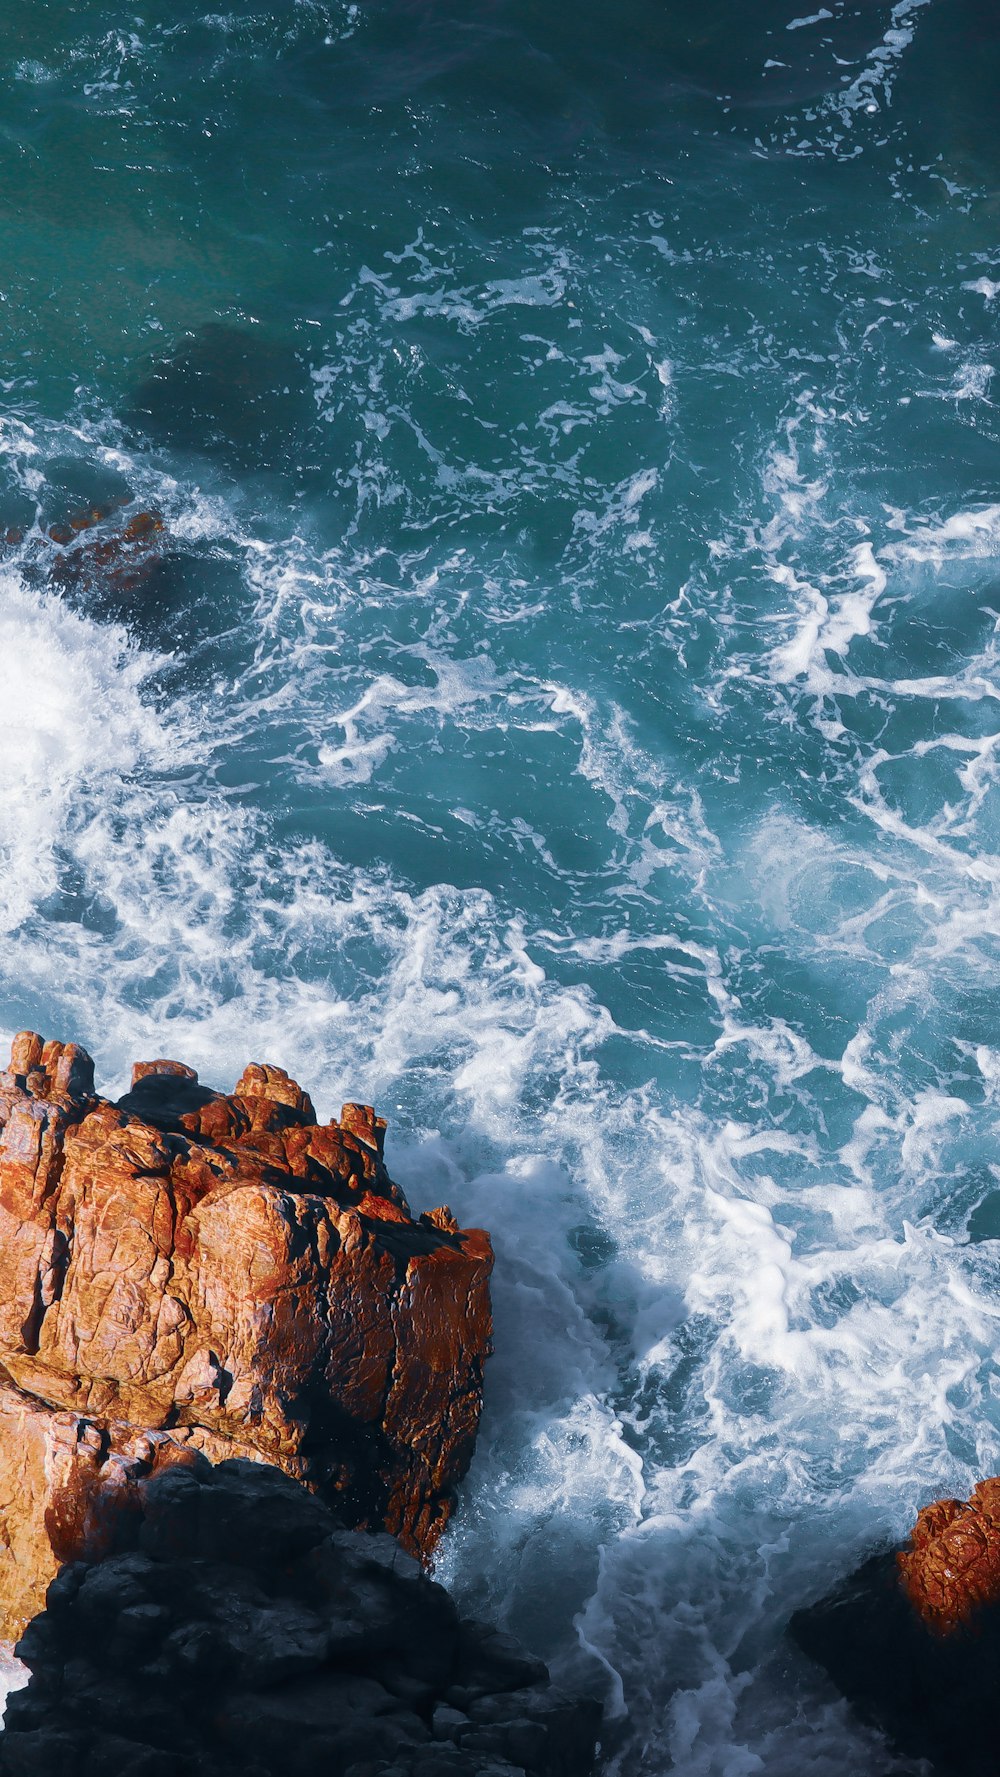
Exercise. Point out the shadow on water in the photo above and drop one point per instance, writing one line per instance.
(231, 393)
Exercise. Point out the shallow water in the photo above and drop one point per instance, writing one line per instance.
(566, 714)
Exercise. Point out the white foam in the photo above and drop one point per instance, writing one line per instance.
(875, 80)
(14, 1675)
(457, 687)
(966, 535)
(971, 382)
(814, 18)
(72, 722)
(826, 625)
(986, 287)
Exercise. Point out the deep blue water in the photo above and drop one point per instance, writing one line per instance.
(563, 709)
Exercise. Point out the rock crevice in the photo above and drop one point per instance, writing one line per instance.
(189, 1271)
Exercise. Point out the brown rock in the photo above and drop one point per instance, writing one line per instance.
(95, 551)
(122, 558)
(912, 1637)
(952, 1568)
(65, 1485)
(194, 1271)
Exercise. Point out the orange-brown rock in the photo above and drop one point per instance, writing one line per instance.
(912, 1637)
(117, 559)
(952, 1568)
(122, 559)
(66, 1483)
(188, 1270)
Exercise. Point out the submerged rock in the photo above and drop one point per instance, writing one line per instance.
(119, 561)
(240, 1631)
(189, 1271)
(97, 551)
(913, 1638)
(234, 393)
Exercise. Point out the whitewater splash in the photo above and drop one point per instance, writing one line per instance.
(13, 1675)
(712, 1328)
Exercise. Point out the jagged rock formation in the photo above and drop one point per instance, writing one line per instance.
(188, 1271)
(951, 1570)
(913, 1638)
(243, 1633)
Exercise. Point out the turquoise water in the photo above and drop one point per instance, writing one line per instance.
(564, 711)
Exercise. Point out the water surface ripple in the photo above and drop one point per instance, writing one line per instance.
(567, 714)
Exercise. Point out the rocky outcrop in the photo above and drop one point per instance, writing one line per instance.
(188, 1271)
(913, 1638)
(951, 1570)
(239, 1631)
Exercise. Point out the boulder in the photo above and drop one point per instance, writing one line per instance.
(912, 1639)
(951, 1569)
(189, 1271)
(237, 1629)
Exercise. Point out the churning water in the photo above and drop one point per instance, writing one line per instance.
(567, 714)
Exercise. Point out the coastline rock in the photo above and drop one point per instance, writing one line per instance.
(189, 1271)
(116, 559)
(239, 1631)
(912, 1639)
(64, 1484)
(121, 560)
(951, 1571)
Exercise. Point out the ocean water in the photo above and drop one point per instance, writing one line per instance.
(563, 708)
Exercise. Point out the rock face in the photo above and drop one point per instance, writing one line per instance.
(240, 1632)
(913, 1638)
(188, 1271)
(951, 1570)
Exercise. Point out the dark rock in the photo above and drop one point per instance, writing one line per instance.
(493, 1661)
(206, 1650)
(933, 1696)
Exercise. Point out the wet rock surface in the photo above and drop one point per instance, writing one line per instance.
(97, 548)
(238, 1627)
(109, 556)
(189, 1271)
(912, 1639)
(951, 1570)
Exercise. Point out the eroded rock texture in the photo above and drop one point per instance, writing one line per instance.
(240, 1632)
(189, 1271)
(952, 1568)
